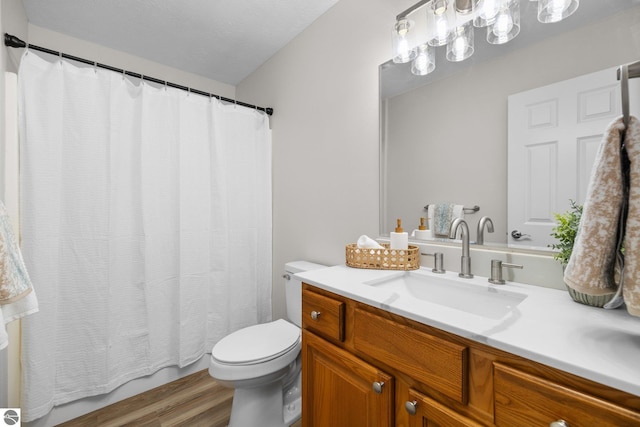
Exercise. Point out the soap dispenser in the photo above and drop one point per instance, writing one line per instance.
(399, 238)
(422, 232)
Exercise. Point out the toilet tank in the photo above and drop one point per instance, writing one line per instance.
(293, 288)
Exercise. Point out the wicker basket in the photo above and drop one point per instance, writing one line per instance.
(383, 259)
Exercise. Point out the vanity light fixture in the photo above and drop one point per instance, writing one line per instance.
(452, 23)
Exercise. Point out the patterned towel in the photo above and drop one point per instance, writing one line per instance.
(14, 279)
(591, 266)
(441, 215)
(631, 288)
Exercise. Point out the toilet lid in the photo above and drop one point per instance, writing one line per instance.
(257, 343)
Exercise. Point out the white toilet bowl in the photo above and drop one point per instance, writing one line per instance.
(257, 362)
(262, 363)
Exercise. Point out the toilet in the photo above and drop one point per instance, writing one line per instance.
(263, 363)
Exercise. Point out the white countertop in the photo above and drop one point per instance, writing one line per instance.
(547, 327)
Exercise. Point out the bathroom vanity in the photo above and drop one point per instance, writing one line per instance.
(375, 355)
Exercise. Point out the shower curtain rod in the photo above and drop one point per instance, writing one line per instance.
(13, 41)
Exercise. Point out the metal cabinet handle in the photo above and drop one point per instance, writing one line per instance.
(559, 423)
(377, 387)
(410, 407)
(315, 315)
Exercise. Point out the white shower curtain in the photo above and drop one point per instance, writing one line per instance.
(146, 224)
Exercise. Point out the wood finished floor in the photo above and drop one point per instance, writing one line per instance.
(194, 401)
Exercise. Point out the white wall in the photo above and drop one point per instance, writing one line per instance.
(324, 89)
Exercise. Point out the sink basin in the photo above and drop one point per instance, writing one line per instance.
(479, 299)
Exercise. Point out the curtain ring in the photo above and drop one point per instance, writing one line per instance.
(95, 67)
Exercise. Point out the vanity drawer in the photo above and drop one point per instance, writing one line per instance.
(438, 363)
(523, 399)
(323, 315)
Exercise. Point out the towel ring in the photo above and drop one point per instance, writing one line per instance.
(624, 86)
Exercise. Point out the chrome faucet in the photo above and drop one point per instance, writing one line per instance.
(465, 259)
(480, 234)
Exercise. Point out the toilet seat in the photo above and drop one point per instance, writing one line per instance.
(257, 344)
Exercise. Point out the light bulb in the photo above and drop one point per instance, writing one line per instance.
(403, 50)
(461, 47)
(441, 22)
(442, 29)
(558, 6)
(424, 62)
(507, 23)
(503, 24)
(488, 9)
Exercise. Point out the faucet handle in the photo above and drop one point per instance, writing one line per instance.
(496, 270)
(438, 262)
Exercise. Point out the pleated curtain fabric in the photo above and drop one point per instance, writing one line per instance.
(146, 224)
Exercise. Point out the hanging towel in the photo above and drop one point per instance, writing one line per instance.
(17, 298)
(441, 215)
(631, 288)
(590, 269)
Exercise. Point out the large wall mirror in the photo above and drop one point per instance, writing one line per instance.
(444, 136)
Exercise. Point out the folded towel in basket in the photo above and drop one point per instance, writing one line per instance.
(590, 269)
(631, 288)
(366, 242)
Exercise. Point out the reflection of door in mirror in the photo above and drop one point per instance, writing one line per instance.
(553, 137)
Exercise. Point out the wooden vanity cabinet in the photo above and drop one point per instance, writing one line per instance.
(363, 366)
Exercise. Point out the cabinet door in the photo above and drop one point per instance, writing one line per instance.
(424, 411)
(340, 390)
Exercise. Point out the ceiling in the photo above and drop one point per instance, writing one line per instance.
(224, 40)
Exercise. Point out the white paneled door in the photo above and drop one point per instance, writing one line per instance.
(554, 134)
